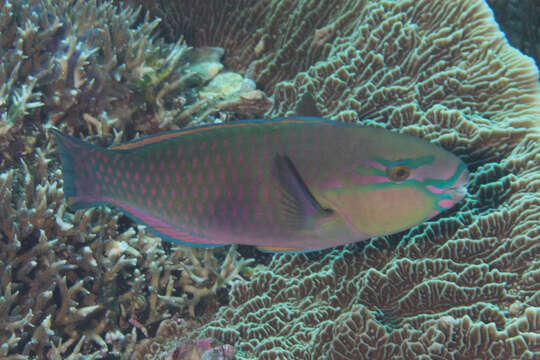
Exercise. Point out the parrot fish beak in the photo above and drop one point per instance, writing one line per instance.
(459, 189)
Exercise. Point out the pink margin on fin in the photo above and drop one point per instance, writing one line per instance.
(161, 227)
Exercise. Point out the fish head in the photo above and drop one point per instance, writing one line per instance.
(398, 182)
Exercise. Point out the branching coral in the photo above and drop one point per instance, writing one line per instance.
(200, 279)
(68, 61)
(85, 284)
(90, 67)
(73, 281)
(39, 291)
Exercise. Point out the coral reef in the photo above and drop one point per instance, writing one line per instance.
(461, 286)
(83, 281)
(74, 64)
(520, 20)
(366, 59)
(199, 277)
(389, 302)
(267, 40)
(90, 67)
(172, 342)
(89, 284)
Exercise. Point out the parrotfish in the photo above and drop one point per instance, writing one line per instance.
(286, 184)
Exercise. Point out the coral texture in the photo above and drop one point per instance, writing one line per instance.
(89, 284)
(461, 286)
(520, 21)
(84, 283)
(172, 342)
(78, 65)
(90, 67)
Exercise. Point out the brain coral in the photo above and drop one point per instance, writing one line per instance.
(462, 286)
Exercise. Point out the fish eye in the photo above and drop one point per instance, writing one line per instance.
(398, 173)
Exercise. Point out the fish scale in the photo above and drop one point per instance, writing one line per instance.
(195, 176)
(280, 184)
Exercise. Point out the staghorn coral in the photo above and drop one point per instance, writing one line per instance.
(91, 67)
(200, 276)
(39, 293)
(70, 62)
(88, 284)
(461, 286)
(83, 283)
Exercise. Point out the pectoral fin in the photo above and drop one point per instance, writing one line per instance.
(299, 206)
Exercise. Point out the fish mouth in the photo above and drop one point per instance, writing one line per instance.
(459, 189)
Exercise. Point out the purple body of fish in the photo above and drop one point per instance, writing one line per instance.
(279, 184)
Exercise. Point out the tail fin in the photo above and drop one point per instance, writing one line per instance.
(78, 170)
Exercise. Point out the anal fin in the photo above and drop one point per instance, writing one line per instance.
(277, 249)
(284, 250)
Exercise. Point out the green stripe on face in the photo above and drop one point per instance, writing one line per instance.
(412, 163)
(373, 170)
(442, 184)
(379, 179)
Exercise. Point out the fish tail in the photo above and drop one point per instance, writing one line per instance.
(78, 160)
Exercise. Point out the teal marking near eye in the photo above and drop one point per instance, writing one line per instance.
(446, 183)
(412, 163)
(382, 161)
(390, 185)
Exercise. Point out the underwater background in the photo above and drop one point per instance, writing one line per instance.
(91, 284)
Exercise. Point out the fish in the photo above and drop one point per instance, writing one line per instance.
(291, 184)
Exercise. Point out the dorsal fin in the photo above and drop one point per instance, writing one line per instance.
(307, 106)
